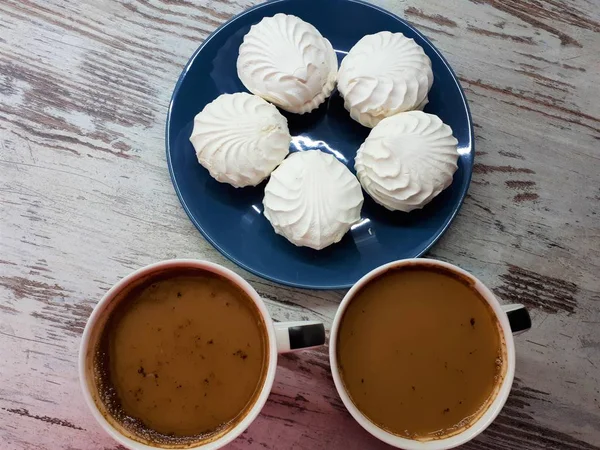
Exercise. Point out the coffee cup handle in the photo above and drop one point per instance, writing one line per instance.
(294, 336)
(518, 317)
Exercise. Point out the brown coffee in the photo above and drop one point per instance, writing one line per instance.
(420, 352)
(181, 359)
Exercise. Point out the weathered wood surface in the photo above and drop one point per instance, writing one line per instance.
(85, 198)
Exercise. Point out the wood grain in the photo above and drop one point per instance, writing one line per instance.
(85, 198)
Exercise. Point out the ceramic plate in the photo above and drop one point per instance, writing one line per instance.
(232, 220)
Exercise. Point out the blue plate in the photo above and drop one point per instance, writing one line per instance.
(231, 219)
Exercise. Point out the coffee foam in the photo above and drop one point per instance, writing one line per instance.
(501, 359)
(106, 398)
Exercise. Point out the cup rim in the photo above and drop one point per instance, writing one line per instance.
(492, 410)
(85, 382)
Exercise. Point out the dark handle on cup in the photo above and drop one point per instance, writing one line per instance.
(294, 336)
(518, 317)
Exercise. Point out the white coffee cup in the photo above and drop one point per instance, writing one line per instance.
(512, 319)
(282, 338)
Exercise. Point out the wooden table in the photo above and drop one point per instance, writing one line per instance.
(86, 198)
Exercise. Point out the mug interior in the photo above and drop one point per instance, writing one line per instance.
(93, 331)
(501, 390)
